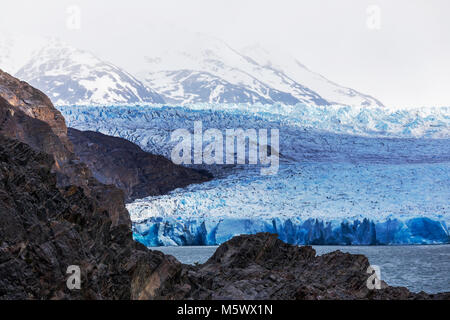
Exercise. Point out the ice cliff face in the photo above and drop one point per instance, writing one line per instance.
(314, 203)
(347, 175)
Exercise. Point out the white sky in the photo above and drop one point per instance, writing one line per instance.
(406, 63)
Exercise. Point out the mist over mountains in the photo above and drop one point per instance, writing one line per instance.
(199, 69)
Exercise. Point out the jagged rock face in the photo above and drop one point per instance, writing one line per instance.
(48, 224)
(72, 76)
(263, 267)
(33, 120)
(26, 114)
(45, 229)
(122, 163)
(17, 124)
(33, 103)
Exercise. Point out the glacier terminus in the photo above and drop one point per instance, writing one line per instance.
(347, 175)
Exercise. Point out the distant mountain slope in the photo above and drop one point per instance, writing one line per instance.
(284, 68)
(195, 69)
(205, 69)
(71, 76)
(16, 50)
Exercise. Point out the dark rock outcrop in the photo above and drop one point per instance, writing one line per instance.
(32, 102)
(26, 114)
(263, 267)
(137, 173)
(45, 229)
(54, 213)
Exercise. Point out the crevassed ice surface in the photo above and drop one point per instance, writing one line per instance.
(347, 175)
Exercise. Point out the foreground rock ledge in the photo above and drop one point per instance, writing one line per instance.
(263, 267)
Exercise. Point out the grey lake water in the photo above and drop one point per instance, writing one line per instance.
(419, 268)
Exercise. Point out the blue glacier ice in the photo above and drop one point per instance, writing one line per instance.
(172, 232)
(348, 176)
(310, 203)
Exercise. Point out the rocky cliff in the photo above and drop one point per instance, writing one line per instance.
(45, 229)
(54, 213)
(21, 96)
(28, 115)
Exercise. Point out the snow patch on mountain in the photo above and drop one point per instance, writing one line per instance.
(195, 69)
(282, 63)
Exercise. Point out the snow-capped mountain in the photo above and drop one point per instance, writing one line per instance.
(71, 76)
(204, 69)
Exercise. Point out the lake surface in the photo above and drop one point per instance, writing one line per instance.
(419, 268)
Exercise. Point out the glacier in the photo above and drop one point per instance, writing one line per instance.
(313, 203)
(348, 175)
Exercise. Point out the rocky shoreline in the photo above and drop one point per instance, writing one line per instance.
(262, 267)
(55, 213)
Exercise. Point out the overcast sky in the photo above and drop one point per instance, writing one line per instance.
(403, 58)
